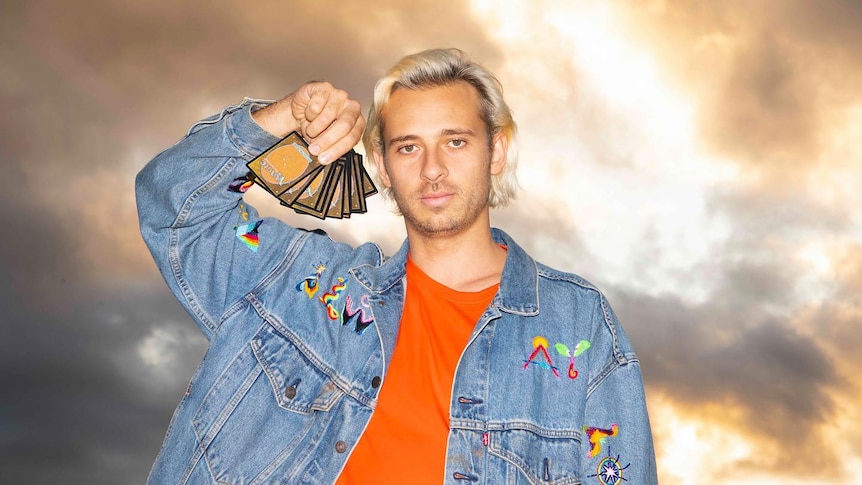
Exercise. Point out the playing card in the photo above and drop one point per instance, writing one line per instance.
(336, 201)
(314, 198)
(346, 177)
(308, 183)
(368, 188)
(284, 164)
(357, 197)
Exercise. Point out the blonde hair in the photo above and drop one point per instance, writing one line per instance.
(441, 67)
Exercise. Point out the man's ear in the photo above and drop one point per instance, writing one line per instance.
(381, 168)
(499, 151)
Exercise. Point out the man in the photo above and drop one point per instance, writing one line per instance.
(460, 359)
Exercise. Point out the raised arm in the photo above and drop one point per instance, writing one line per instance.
(210, 246)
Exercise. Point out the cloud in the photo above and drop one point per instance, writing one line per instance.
(80, 410)
(720, 365)
(835, 320)
(85, 407)
(766, 354)
(542, 226)
(772, 78)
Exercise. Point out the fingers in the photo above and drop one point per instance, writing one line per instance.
(340, 144)
(323, 108)
(328, 119)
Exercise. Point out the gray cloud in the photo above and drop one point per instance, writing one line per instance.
(765, 112)
(838, 320)
(754, 346)
(775, 383)
(76, 410)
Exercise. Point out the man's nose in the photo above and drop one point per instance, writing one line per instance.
(434, 166)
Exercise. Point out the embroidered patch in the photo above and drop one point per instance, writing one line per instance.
(348, 313)
(329, 298)
(242, 212)
(247, 233)
(561, 349)
(310, 284)
(610, 471)
(357, 314)
(241, 184)
(540, 348)
(599, 437)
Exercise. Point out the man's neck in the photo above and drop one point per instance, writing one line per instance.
(468, 261)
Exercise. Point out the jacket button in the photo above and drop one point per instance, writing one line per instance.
(375, 382)
(340, 447)
(290, 392)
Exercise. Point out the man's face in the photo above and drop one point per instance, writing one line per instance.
(438, 160)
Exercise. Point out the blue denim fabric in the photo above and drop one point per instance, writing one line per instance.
(291, 379)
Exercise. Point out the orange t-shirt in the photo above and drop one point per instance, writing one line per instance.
(406, 439)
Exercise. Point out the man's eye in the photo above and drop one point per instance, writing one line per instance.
(457, 143)
(407, 149)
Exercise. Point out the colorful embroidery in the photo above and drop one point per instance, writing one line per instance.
(610, 471)
(362, 320)
(599, 437)
(310, 284)
(359, 315)
(242, 212)
(540, 349)
(561, 349)
(540, 346)
(241, 184)
(330, 297)
(247, 233)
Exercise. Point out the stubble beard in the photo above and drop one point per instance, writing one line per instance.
(447, 221)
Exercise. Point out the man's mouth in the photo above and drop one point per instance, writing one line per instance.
(436, 199)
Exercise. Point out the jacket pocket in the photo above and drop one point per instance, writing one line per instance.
(537, 456)
(261, 409)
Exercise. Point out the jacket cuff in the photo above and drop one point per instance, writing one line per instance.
(245, 133)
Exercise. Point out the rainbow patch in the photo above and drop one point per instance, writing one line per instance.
(599, 437)
(328, 299)
(241, 184)
(540, 348)
(561, 349)
(247, 233)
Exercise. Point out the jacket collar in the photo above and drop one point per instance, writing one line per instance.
(519, 286)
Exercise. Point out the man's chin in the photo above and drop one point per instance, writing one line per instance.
(432, 227)
(436, 222)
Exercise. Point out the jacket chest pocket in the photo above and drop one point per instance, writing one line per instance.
(536, 457)
(259, 411)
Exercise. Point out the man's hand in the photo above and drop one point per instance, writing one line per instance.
(326, 117)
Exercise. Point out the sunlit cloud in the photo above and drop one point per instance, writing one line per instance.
(692, 451)
(645, 182)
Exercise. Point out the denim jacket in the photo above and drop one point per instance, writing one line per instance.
(301, 331)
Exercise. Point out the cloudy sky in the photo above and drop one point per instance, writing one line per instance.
(699, 161)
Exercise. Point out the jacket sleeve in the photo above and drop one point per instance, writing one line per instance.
(617, 440)
(210, 246)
